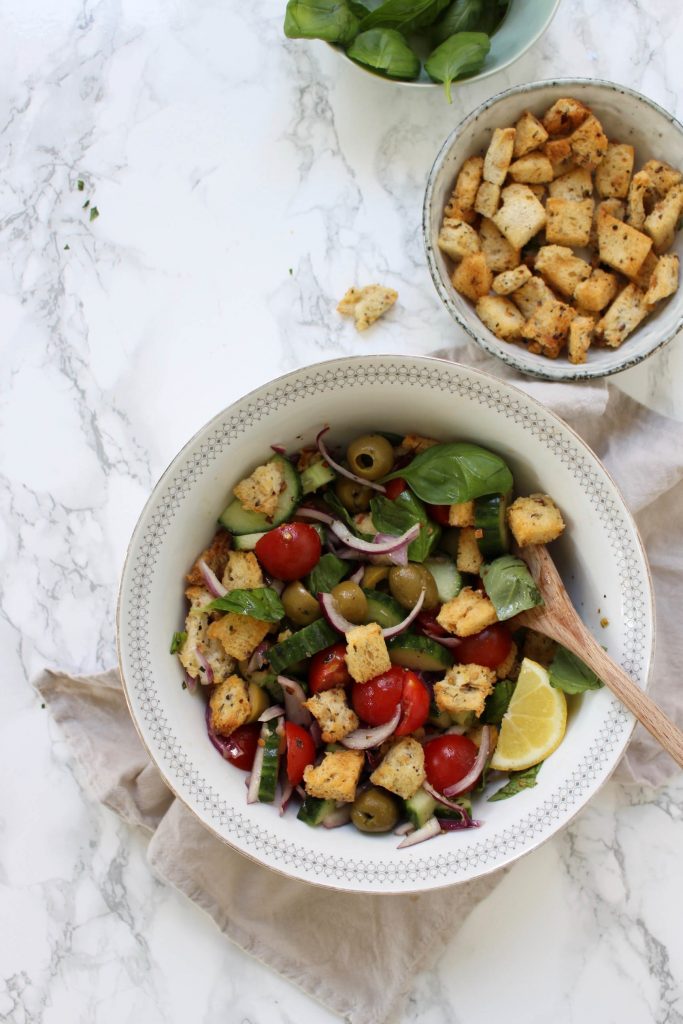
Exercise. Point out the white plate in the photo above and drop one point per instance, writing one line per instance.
(600, 556)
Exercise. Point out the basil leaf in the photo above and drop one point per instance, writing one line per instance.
(459, 56)
(461, 16)
(568, 673)
(329, 571)
(345, 516)
(177, 642)
(510, 586)
(385, 50)
(360, 10)
(406, 15)
(261, 603)
(395, 517)
(331, 20)
(516, 783)
(497, 702)
(448, 473)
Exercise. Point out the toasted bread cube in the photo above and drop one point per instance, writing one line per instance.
(639, 191)
(613, 174)
(468, 182)
(520, 216)
(402, 770)
(336, 777)
(416, 443)
(620, 245)
(470, 558)
(580, 337)
(333, 714)
(510, 280)
(458, 239)
(561, 268)
(548, 328)
(509, 667)
(242, 571)
(472, 277)
(664, 281)
(215, 556)
(564, 116)
(662, 176)
(615, 207)
(535, 520)
(529, 134)
(461, 514)
(454, 212)
(589, 143)
(596, 291)
(464, 688)
(538, 648)
(374, 303)
(468, 613)
(347, 304)
(366, 652)
(576, 184)
(647, 269)
(260, 491)
(499, 155)
(623, 316)
(488, 197)
(534, 168)
(240, 635)
(531, 296)
(538, 191)
(500, 316)
(660, 225)
(559, 152)
(500, 255)
(568, 221)
(198, 648)
(229, 705)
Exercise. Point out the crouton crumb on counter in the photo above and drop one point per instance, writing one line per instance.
(553, 223)
(367, 305)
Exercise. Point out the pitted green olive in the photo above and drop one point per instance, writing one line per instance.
(370, 456)
(350, 601)
(354, 497)
(299, 604)
(406, 583)
(374, 810)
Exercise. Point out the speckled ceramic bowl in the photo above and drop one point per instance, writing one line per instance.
(600, 557)
(627, 117)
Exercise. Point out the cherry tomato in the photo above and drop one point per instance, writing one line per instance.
(289, 551)
(240, 747)
(430, 626)
(396, 487)
(300, 751)
(439, 513)
(448, 759)
(375, 701)
(488, 648)
(328, 669)
(414, 705)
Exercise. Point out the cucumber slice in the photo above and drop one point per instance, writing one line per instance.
(420, 808)
(441, 719)
(271, 758)
(447, 578)
(448, 812)
(383, 609)
(314, 810)
(247, 541)
(490, 516)
(239, 521)
(316, 476)
(302, 644)
(418, 652)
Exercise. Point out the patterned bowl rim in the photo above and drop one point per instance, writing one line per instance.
(621, 722)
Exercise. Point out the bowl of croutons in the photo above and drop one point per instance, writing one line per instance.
(551, 220)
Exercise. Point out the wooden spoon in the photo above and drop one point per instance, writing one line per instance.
(558, 619)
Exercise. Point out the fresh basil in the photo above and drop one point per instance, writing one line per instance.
(385, 50)
(329, 571)
(406, 15)
(335, 504)
(331, 20)
(498, 702)
(396, 517)
(516, 783)
(510, 586)
(461, 16)
(360, 10)
(446, 474)
(261, 603)
(460, 55)
(177, 642)
(568, 673)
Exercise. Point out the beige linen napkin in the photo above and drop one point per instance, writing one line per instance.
(364, 967)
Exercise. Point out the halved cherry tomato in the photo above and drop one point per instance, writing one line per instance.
(289, 551)
(414, 704)
(396, 487)
(300, 751)
(489, 648)
(375, 701)
(448, 759)
(328, 669)
(439, 513)
(240, 747)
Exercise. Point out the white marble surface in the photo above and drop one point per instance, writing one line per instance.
(243, 183)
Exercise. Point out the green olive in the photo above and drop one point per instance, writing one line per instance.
(406, 582)
(299, 604)
(373, 575)
(350, 601)
(374, 810)
(354, 497)
(370, 456)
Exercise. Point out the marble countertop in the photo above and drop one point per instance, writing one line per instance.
(242, 183)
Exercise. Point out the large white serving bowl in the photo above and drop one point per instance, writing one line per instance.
(626, 117)
(600, 557)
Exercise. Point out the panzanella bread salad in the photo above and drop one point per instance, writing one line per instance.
(352, 626)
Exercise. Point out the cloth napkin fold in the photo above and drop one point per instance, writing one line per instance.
(364, 967)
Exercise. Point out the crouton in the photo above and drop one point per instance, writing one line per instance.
(535, 520)
(561, 268)
(576, 184)
(500, 316)
(333, 714)
(664, 281)
(531, 296)
(645, 272)
(613, 174)
(580, 337)
(662, 176)
(623, 316)
(215, 556)
(461, 514)
(499, 155)
(621, 246)
(468, 613)
(260, 491)
(564, 116)
(596, 291)
(464, 688)
(538, 648)
(240, 635)
(548, 327)
(588, 143)
(500, 254)
(510, 280)
(454, 212)
(559, 152)
(242, 571)
(568, 221)
(198, 648)
(472, 277)
(520, 216)
(534, 168)
(366, 652)
(529, 134)
(468, 182)
(470, 558)
(488, 197)
(415, 443)
(229, 705)
(538, 191)
(402, 771)
(458, 239)
(374, 302)
(639, 191)
(509, 667)
(336, 777)
(615, 207)
(660, 225)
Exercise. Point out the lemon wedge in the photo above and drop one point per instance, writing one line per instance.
(534, 723)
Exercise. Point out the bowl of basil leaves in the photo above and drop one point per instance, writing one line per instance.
(423, 42)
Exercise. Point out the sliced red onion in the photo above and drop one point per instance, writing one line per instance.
(366, 546)
(343, 625)
(221, 743)
(277, 585)
(271, 712)
(397, 557)
(213, 584)
(428, 831)
(476, 769)
(357, 576)
(300, 792)
(287, 790)
(404, 829)
(341, 470)
(255, 780)
(363, 739)
(341, 816)
(451, 825)
(401, 626)
(441, 799)
(294, 701)
(208, 671)
(316, 733)
(190, 681)
(258, 658)
(446, 641)
(279, 449)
